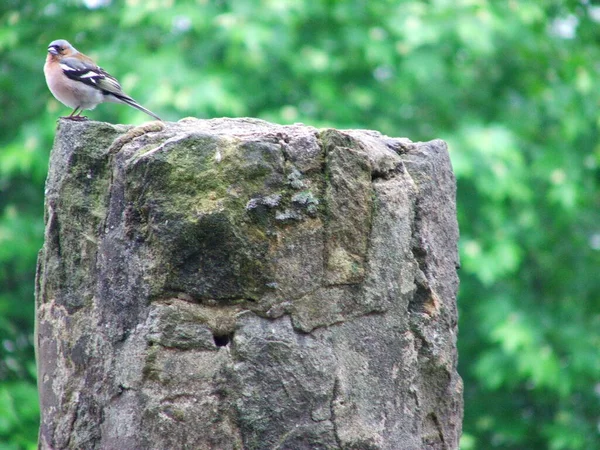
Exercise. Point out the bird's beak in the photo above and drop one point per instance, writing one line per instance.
(52, 51)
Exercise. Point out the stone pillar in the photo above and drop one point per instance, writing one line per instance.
(235, 284)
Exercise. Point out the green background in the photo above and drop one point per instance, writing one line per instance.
(513, 87)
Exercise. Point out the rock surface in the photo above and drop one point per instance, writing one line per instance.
(234, 284)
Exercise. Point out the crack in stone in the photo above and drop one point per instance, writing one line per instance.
(334, 398)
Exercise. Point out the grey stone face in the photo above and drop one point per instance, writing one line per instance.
(235, 284)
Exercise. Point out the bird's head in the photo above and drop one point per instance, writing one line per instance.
(61, 47)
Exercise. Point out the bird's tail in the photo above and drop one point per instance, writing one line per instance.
(131, 102)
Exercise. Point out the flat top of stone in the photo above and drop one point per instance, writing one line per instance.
(382, 151)
(240, 126)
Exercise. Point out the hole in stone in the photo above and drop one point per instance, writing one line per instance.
(221, 340)
(420, 298)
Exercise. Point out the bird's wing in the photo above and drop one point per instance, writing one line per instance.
(91, 75)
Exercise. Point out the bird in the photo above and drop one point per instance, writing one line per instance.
(77, 82)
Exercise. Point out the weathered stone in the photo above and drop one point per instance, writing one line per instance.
(234, 284)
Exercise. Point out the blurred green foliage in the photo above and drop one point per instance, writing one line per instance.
(513, 86)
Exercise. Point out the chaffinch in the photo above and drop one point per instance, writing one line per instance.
(76, 81)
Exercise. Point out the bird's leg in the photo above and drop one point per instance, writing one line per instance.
(77, 116)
